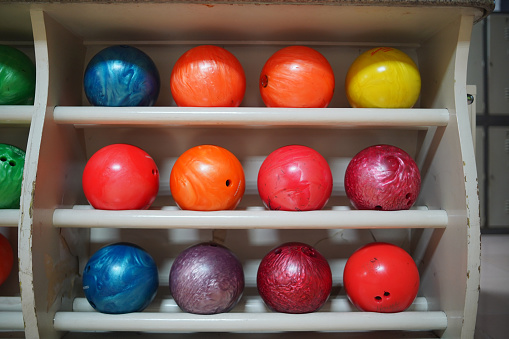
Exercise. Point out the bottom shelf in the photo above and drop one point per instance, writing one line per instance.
(11, 317)
(163, 315)
(11, 321)
(252, 322)
(278, 335)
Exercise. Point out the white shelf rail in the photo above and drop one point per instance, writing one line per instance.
(250, 304)
(10, 304)
(247, 219)
(252, 322)
(11, 321)
(259, 116)
(16, 114)
(11, 316)
(9, 217)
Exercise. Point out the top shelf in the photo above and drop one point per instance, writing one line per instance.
(259, 116)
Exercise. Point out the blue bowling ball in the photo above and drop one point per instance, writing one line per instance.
(121, 76)
(120, 278)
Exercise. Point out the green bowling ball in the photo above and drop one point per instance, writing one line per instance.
(12, 162)
(17, 77)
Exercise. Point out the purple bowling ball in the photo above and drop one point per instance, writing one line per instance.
(206, 278)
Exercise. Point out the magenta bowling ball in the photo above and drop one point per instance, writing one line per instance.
(295, 178)
(382, 177)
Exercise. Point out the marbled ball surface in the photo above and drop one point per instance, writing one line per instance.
(12, 164)
(206, 278)
(17, 77)
(121, 76)
(120, 278)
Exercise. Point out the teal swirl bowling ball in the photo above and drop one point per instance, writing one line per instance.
(120, 278)
(17, 77)
(121, 76)
(12, 163)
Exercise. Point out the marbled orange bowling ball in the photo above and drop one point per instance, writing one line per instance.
(207, 178)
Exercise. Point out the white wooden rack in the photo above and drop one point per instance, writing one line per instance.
(55, 230)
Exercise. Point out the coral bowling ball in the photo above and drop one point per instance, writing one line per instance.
(295, 178)
(121, 76)
(381, 277)
(294, 278)
(382, 177)
(383, 77)
(206, 278)
(6, 259)
(207, 178)
(17, 77)
(120, 278)
(121, 177)
(12, 163)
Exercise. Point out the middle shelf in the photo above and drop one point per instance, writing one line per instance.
(9, 217)
(84, 216)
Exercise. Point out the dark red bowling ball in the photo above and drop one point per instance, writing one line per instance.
(294, 278)
(6, 259)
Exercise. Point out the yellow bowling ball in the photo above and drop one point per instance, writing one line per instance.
(383, 77)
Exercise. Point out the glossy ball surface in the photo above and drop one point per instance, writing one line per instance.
(120, 278)
(208, 76)
(207, 178)
(206, 278)
(121, 76)
(381, 277)
(294, 278)
(297, 76)
(12, 163)
(383, 77)
(295, 178)
(17, 77)
(382, 177)
(6, 258)
(120, 177)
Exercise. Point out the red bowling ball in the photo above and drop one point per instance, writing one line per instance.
(121, 177)
(295, 178)
(381, 277)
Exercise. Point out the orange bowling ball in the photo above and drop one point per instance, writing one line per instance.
(297, 76)
(207, 178)
(383, 77)
(208, 76)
